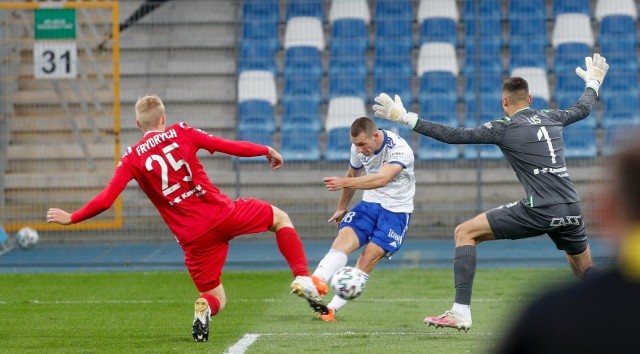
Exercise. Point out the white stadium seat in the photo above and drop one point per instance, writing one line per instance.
(537, 79)
(615, 7)
(304, 31)
(438, 9)
(437, 56)
(342, 111)
(257, 85)
(572, 28)
(349, 9)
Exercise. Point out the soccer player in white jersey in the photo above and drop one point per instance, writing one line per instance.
(380, 221)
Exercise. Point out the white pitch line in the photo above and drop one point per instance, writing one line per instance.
(243, 344)
(332, 334)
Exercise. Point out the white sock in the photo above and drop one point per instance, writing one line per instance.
(336, 303)
(331, 262)
(464, 310)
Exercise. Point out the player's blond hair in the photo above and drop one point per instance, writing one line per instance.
(149, 111)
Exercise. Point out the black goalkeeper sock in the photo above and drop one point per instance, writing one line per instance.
(464, 270)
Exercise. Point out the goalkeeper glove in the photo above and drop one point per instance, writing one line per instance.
(596, 70)
(394, 110)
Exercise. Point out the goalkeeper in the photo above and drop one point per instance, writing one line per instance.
(531, 140)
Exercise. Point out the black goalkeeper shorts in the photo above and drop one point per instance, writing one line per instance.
(562, 222)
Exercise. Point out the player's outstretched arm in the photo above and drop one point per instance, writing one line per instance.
(596, 70)
(394, 110)
(58, 216)
(274, 158)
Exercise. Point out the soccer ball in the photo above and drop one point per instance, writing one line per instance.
(349, 282)
(27, 238)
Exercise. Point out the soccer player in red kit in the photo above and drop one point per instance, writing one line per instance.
(202, 218)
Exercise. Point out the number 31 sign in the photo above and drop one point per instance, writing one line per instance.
(55, 59)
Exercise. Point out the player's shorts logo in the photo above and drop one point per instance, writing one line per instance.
(567, 220)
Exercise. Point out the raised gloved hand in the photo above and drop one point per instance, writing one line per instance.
(596, 71)
(394, 110)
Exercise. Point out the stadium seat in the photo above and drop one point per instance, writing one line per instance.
(571, 6)
(395, 31)
(569, 56)
(262, 32)
(431, 149)
(399, 129)
(572, 28)
(621, 55)
(428, 9)
(349, 10)
(392, 71)
(437, 57)
(305, 8)
(299, 145)
(439, 109)
(606, 8)
(621, 81)
(579, 141)
(526, 9)
(487, 151)
(342, 111)
(258, 136)
(490, 60)
(566, 102)
(338, 145)
(352, 85)
(393, 84)
(440, 84)
(394, 9)
(351, 33)
(304, 31)
(261, 10)
(539, 103)
(257, 85)
(302, 60)
(301, 113)
(256, 114)
(537, 79)
(438, 30)
(488, 21)
(618, 28)
(618, 137)
(488, 84)
(525, 53)
(490, 109)
(620, 109)
(348, 59)
(301, 87)
(257, 56)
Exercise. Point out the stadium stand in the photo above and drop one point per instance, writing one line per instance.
(300, 144)
(305, 8)
(579, 141)
(338, 144)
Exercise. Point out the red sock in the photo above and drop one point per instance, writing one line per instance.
(214, 303)
(293, 251)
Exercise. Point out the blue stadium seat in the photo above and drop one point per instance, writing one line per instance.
(257, 56)
(439, 108)
(350, 31)
(305, 8)
(338, 145)
(302, 60)
(490, 30)
(264, 32)
(301, 86)
(347, 58)
(394, 31)
(439, 30)
(621, 81)
(263, 10)
(569, 56)
(488, 84)
(618, 28)
(394, 9)
(258, 136)
(301, 113)
(571, 6)
(489, 9)
(431, 149)
(487, 151)
(256, 114)
(442, 84)
(579, 141)
(526, 9)
(300, 144)
(618, 137)
(490, 109)
(393, 84)
(528, 29)
(527, 53)
(620, 109)
(620, 55)
(348, 85)
(490, 58)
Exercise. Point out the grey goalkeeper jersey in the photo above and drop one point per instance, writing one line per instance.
(531, 140)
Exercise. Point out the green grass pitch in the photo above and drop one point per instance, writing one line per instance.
(151, 312)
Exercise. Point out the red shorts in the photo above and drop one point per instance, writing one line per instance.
(205, 256)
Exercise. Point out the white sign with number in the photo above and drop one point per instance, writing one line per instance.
(55, 59)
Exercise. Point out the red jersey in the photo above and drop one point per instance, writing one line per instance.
(166, 167)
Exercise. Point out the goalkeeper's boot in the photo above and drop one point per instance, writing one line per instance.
(304, 287)
(200, 330)
(330, 317)
(451, 319)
